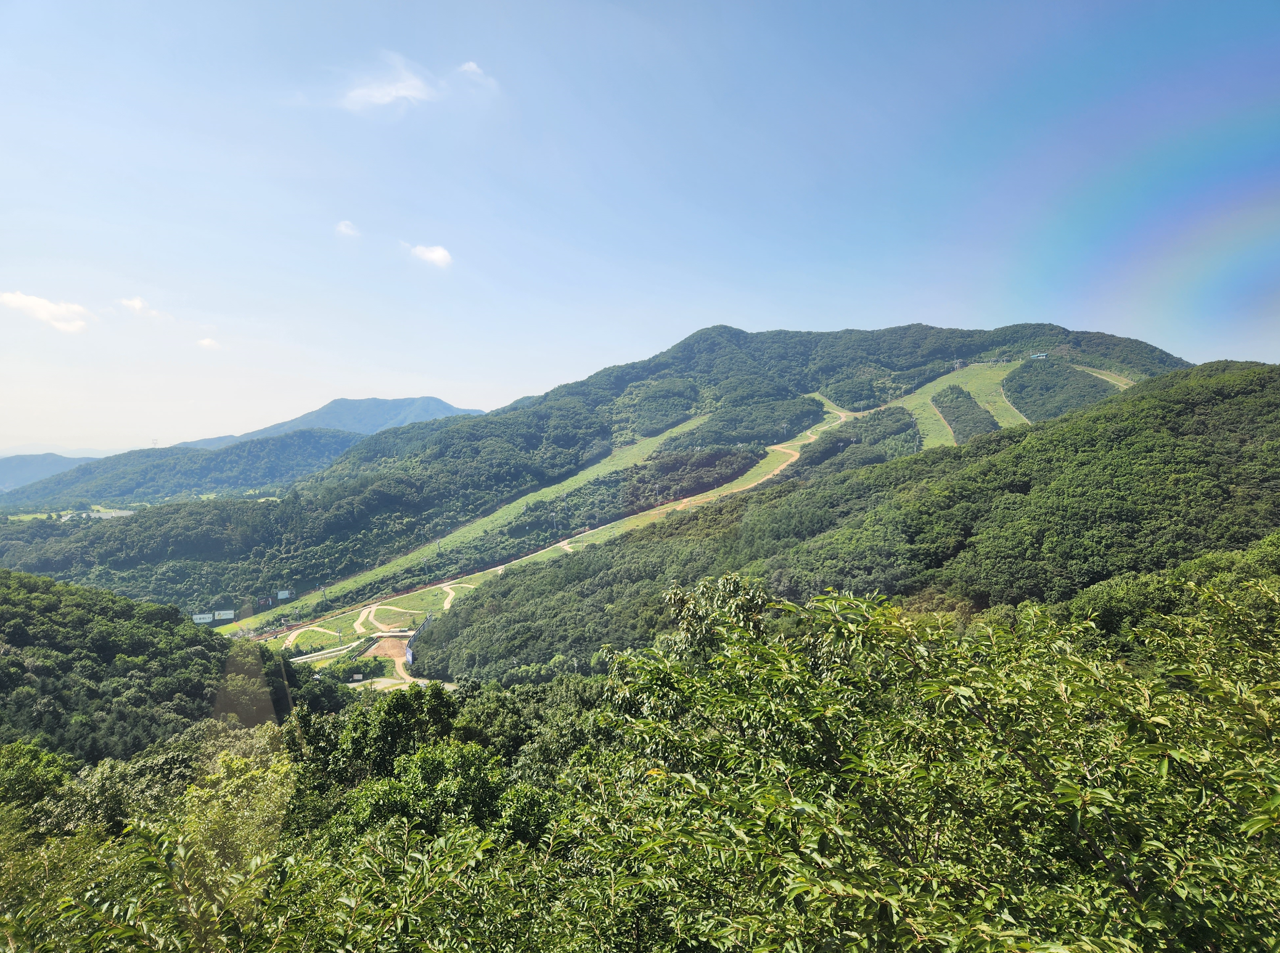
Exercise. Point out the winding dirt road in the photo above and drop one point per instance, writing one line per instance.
(310, 628)
(388, 646)
(448, 600)
(789, 447)
(934, 408)
(1006, 399)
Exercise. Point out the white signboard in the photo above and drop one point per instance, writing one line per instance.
(202, 617)
(284, 594)
(225, 614)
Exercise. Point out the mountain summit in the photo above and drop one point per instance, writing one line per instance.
(366, 416)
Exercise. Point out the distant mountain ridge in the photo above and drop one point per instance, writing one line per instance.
(21, 469)
(156, 475)
(364, 416)
(398, 490)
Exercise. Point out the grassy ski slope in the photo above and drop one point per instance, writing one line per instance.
(980, 380)
(437, 596)
(620, 459)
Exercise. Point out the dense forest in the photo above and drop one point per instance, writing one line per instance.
(862, 441)
(1011, 695)
(1050, 387)
(964, 415)
(150, 476)
(93, 675)
(405, 487)
(1175, 466)
(843, 774)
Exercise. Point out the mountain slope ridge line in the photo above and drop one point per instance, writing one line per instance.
(836, 417)
(618, 460)
(765, 470)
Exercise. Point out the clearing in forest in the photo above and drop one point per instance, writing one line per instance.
(1122, 382)
(439, 596)
(779, 457)
(980, 380)
(620, 459)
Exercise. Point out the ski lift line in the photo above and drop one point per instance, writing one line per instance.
(620, 459)
(839, 415)
(662, 508)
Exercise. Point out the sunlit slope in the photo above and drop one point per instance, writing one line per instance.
(436, 597)
(618, 460)
(779, 456)
(1122, 382)
(980, 380)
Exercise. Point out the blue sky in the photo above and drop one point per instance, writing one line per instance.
(214, 217)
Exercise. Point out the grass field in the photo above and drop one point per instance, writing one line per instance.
(1122, 382)
(420, 602)
(343, 625)
(980, 380)
(315, 640)
(934, 431)
(321, 663)
(98, 512)
(620, 459)
(396, 618)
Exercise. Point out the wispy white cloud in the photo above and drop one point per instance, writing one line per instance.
(209, 344)
(437, 255)
(347, 229)
(478, 76)
(138, 306)
(402, 85)
(66, 317)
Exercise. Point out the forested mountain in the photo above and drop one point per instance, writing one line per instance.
(365, 416)
(407, 486)
(24, 468)
(93, 675)
(1175, 466)
(1056, 735)
(841, 774)
(875, 438)
(150, 476)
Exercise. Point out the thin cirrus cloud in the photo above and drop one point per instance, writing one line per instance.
(402, 85)
(209, 344)
(61, 315)
(138, 306)
(347, 230)
(436, 255)
(476, 75)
